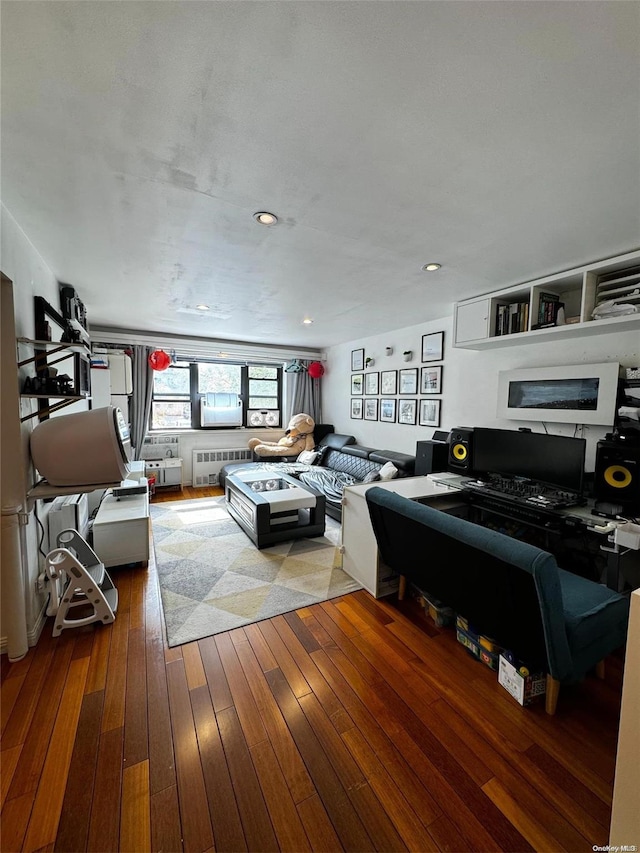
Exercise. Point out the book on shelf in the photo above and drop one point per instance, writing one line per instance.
(548, 307)
(511, 318)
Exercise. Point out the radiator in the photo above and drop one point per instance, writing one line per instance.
(207, 463)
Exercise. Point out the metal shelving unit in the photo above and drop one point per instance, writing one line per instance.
(42, 358)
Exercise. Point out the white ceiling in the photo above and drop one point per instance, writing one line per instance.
(501, 139)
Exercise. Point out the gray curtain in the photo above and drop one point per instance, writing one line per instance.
(306, 397)
(141, 397)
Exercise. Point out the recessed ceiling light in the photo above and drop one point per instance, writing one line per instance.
(202, 307)
(265, 218)
(431, 267)
(307, 321)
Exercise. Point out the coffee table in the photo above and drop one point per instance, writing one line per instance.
(274, 508)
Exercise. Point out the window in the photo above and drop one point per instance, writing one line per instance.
(210, 394)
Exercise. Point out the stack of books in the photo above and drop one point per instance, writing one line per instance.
(512, 318)
(548, 308)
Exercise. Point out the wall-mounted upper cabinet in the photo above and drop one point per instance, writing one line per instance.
(556, 307)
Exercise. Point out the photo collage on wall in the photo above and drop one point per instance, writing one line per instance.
(409, 395)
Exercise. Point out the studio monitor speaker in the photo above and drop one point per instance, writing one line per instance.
(460, 456)
(617, 475)
(431, 456)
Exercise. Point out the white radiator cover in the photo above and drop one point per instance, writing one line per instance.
(207, 463)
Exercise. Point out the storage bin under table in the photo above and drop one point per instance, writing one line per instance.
(274, 509)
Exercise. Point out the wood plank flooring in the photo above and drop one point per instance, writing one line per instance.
(354, 724)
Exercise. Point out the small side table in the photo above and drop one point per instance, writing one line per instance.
(121, 530)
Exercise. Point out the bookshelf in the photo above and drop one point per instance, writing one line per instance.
(555, 307)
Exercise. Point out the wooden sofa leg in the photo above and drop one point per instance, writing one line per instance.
(553, 688)
(600, 669)
(402, 587)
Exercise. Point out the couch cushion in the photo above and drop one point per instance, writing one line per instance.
(356, 466)
(358, 450)
(403, 461)
(388, 471)
(337, 440)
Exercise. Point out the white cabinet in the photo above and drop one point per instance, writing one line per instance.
(121, 373)
(121, 530)
(528, 312)
(360, 557)
(472, 321)
(100, 387)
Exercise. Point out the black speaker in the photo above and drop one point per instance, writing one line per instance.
(617, 475)
(431, 456)
(460, 456)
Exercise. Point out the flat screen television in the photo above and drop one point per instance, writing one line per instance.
(82, 449)
(574, 394)
(553, 460)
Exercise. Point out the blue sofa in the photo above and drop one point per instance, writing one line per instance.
(555, 621)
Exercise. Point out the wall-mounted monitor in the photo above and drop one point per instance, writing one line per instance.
(579, 393)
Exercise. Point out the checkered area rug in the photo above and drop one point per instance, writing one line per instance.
(213, 578)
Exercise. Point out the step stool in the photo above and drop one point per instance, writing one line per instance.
(78, 579)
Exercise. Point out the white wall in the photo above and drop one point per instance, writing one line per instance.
(470, 381)
(31, 277)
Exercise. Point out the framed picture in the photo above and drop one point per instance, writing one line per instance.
(371, 409)
(371, 383)
(430, 413)
(407, 411)
(389, 382)
(431, 380)
(357, 359)
(356, 408)
(433, 346)
(388, 411)
(409, 380)
(357, 383)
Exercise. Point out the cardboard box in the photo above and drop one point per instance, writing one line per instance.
(524, 688)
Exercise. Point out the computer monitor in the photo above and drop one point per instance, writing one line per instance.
(554, 460)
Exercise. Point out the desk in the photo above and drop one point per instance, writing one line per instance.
(443, 491)
(360, 557)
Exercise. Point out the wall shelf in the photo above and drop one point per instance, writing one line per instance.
(41, 359)
(479, 322)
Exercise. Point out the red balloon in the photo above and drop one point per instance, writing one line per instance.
(159, 360)
(316, 370)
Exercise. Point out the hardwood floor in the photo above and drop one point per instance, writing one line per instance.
(351, 724)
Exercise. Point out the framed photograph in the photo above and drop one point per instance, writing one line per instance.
(357, 359)
(430, 413)
(356, 408)
(357, 383)
(431, 380)
(372, 383)
(409, 380)
(388, 411)
(433, 346)
(371, 409)
(389, 382)
(407, 411)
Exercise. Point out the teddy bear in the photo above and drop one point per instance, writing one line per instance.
(298, 437)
